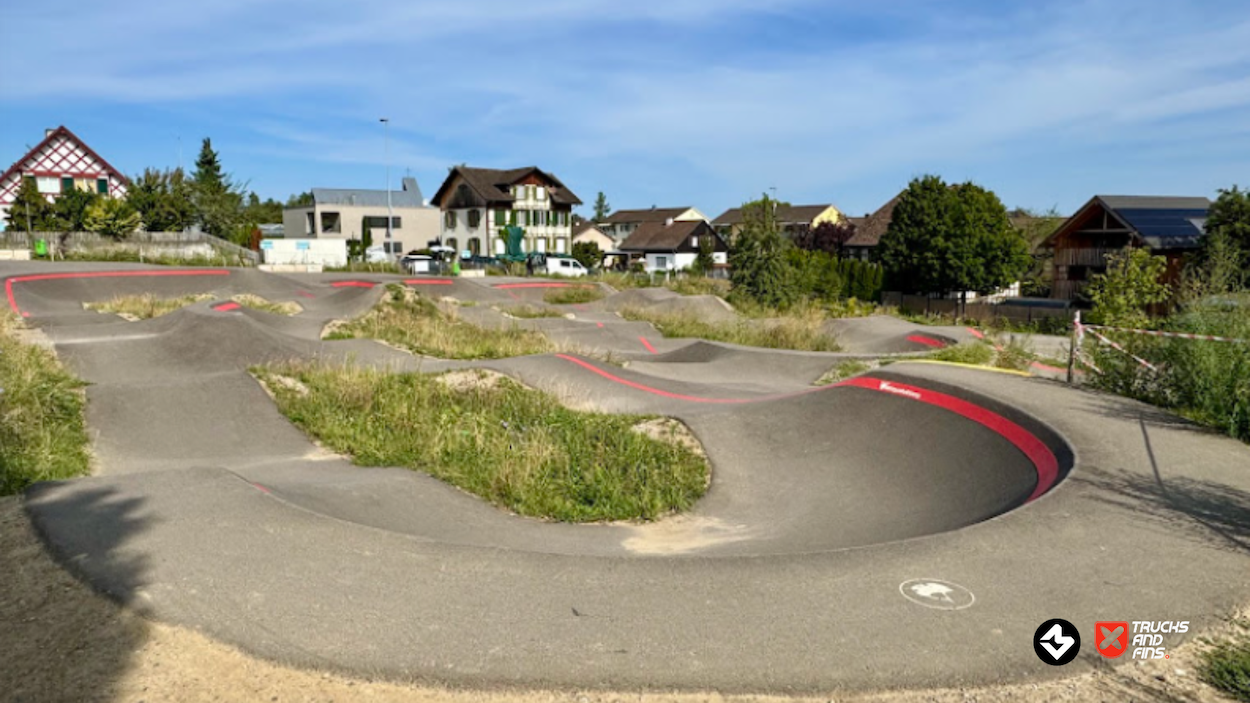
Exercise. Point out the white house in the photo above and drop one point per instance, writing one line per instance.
(342, 213)
(478, 203)
(60, 163)
(673, 246)
(622, 223)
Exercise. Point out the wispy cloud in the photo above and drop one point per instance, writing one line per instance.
(707, 99)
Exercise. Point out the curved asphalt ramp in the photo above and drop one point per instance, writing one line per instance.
(882, 334)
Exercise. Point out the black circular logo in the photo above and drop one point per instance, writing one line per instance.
(1057, 642)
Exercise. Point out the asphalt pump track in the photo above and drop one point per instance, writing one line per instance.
(907, 527)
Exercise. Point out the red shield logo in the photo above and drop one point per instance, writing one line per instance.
(1111, 638)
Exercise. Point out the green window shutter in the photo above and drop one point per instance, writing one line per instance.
(67, 184)
(102, 186)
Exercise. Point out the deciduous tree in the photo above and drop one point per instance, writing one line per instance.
(1123, 295)
(945, 239)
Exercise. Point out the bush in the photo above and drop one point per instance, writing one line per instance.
(1208, 382)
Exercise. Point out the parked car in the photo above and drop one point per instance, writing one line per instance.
(566, 267)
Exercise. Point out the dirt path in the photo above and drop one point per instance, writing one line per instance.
(61, 641)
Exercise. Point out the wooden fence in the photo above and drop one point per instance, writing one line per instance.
(1023, 310)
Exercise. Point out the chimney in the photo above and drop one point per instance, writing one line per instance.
(668, 222)
(48, 132)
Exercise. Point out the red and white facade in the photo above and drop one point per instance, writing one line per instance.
(61, 162)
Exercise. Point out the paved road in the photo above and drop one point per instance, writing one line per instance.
(210, 510)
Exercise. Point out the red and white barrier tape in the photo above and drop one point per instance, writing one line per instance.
(1177, 335)
(1122, 350)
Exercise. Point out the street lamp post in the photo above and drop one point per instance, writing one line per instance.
(387, 140)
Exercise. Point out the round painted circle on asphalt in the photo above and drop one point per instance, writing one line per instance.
(937, 594)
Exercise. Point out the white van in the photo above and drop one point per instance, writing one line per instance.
(566, 267)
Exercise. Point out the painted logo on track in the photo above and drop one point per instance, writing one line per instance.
(891, 388)
(1056, 642)
(937, 594)
(1111, 638)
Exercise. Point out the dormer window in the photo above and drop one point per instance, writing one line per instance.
(540, 193)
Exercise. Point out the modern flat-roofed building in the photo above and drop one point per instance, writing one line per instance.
(344, 213)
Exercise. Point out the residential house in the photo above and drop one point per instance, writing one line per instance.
(674, 245)
(868, 231)
(622, 223)
(790, 218)
(587, 231)
(343, 213)
(58, 164)
(1169, 226)
(477, 204)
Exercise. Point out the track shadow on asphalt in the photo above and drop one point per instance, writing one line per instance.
(64, 643)
(1213, 513)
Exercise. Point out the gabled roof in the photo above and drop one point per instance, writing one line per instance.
(870, 229)
(408, 197)
(1159, 222)
(584, 226)
(786, 214)
(492, 184)
(658, 236)
(653, 214)
(62, 131)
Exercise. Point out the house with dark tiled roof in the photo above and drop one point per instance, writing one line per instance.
(868, 231)
(673, 245)
(790, 218)
(60, 163)
(590, 233)
(478, 203)
(1169, 226)
(622, 223)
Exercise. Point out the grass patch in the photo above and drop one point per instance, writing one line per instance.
(622, 281)
(529, 312)
(515, 447)
(699, 285)
(145, 306)
(407, 320)
(842, 371)
(256, 302)
(42, 435)
(573, 295)
(976, 353)
(365, 267)
(1226, 666)
(799, 329)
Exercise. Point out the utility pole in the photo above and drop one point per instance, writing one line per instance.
(387, 149)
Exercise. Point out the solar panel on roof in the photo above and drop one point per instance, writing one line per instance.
(1163, 223)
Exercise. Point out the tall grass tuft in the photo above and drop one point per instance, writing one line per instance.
(42, 435)
(516, 447)
(145, 306)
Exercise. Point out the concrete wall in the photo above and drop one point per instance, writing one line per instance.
(173, 245)
(326, 252)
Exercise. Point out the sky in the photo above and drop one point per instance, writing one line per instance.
(704, 103)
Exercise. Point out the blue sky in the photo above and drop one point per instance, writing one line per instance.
(670, 102)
